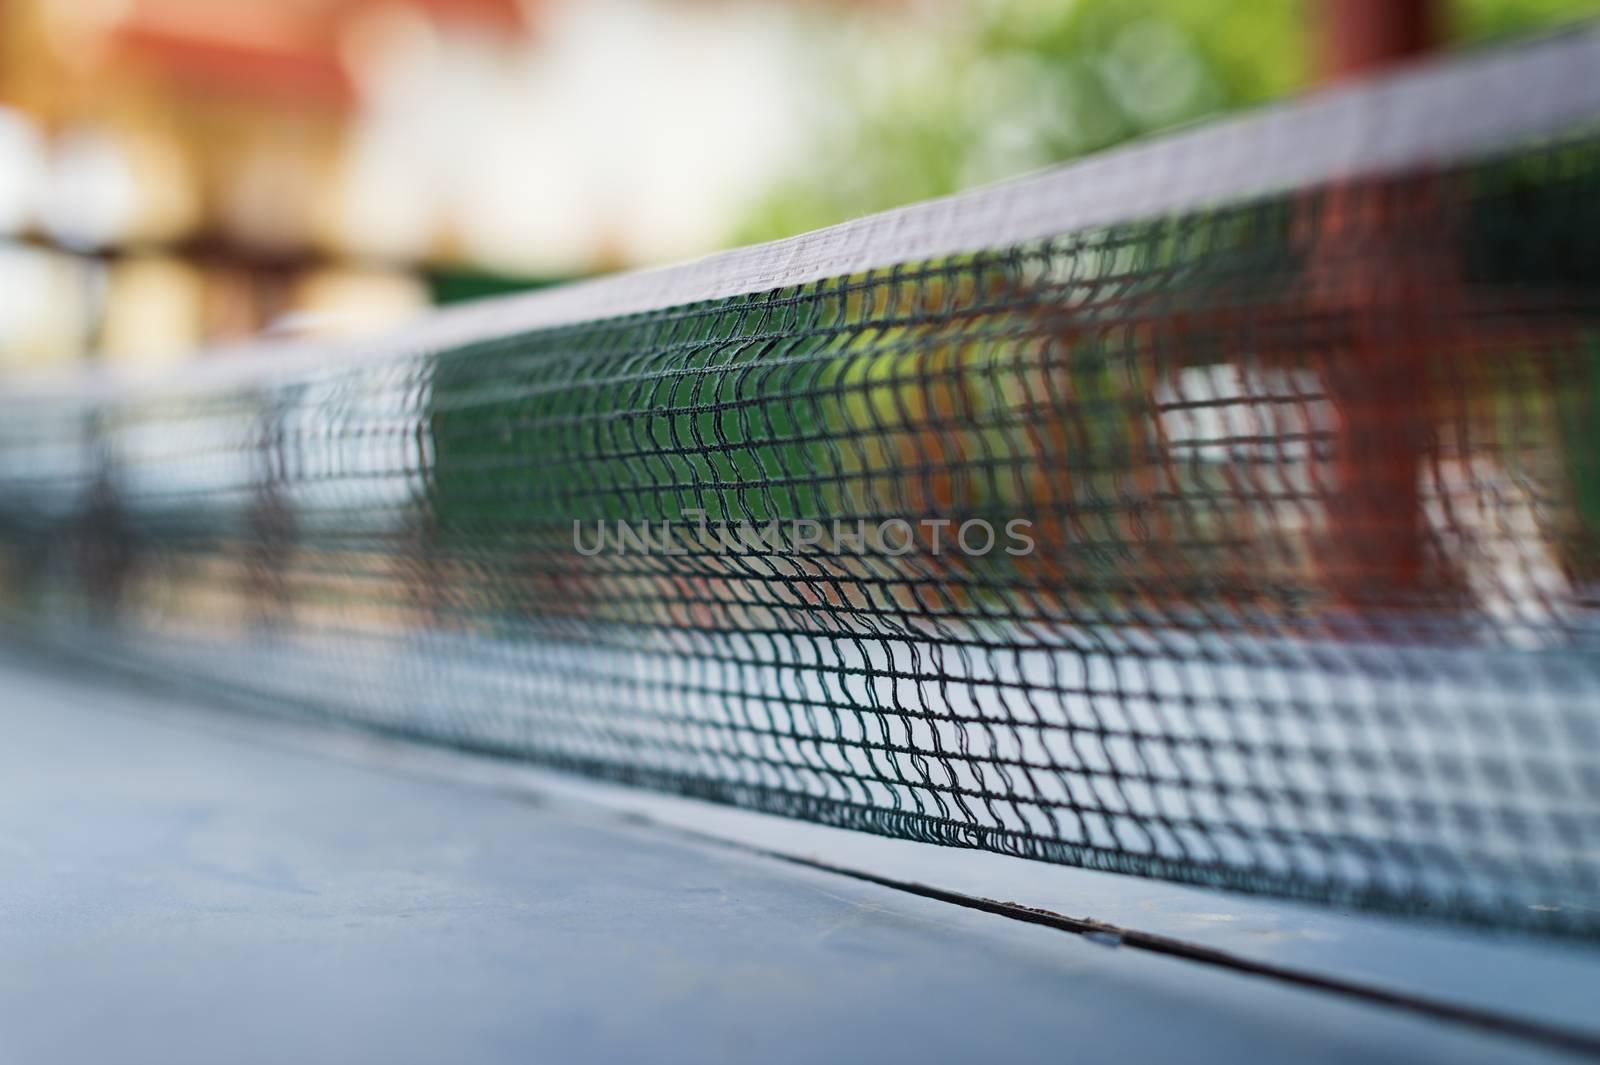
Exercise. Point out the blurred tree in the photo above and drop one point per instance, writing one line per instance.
(1005, 86)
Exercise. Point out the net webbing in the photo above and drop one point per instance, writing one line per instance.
(1249, 542)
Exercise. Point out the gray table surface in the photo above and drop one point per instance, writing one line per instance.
(173, 892)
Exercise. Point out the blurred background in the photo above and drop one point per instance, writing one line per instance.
(178, 174)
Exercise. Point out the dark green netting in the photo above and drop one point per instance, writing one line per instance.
(1309, 483)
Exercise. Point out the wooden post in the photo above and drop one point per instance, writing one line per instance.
(1360, 36)
(1374, 275)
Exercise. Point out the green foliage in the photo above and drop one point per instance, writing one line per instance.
(1472, 21)
(924, 107)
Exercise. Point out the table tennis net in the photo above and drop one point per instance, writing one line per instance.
(1249, 542)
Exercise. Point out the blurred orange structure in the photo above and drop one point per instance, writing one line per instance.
(213, 137)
